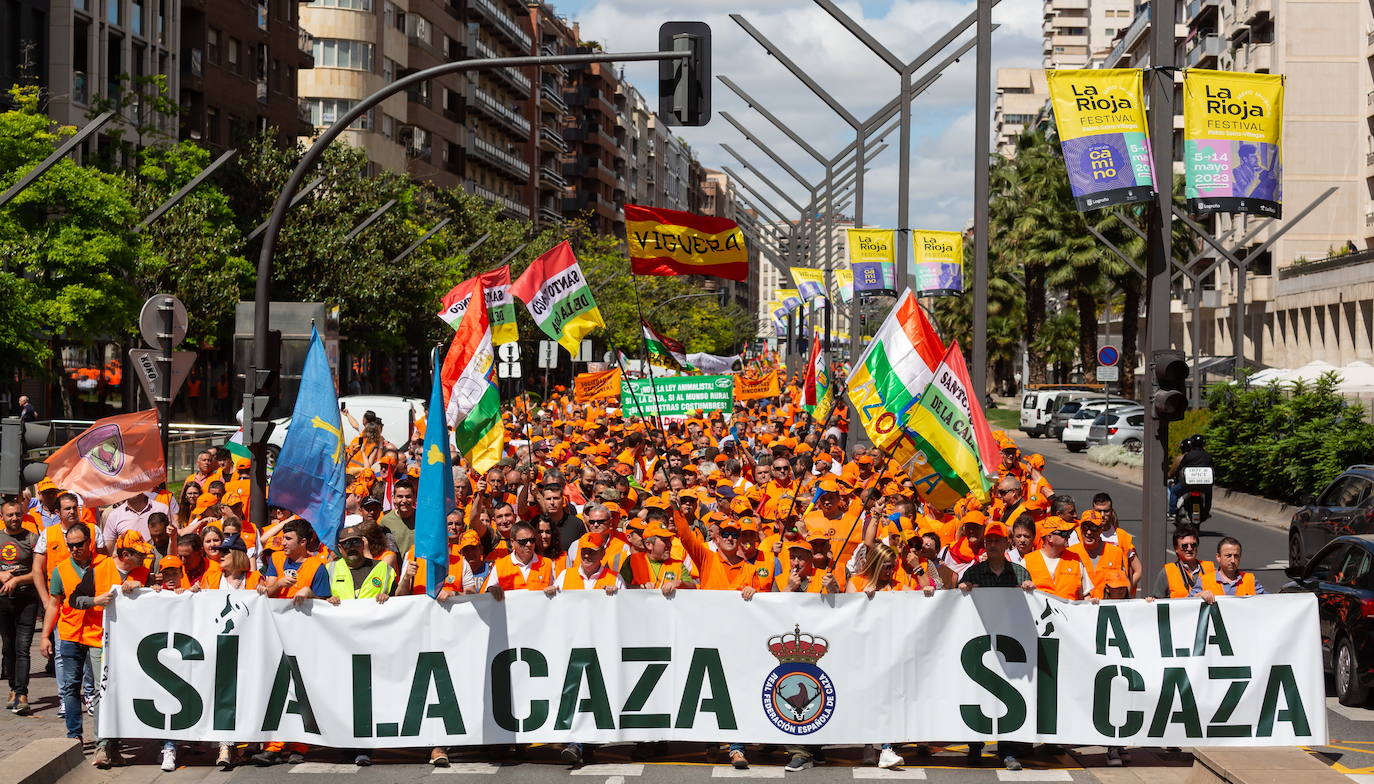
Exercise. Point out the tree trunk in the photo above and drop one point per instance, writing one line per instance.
(1035, 320)
(1087, 330)
(1130, 333)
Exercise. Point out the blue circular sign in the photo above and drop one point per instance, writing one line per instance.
(1108, 355)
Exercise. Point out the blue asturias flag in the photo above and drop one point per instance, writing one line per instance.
(435, 495)
(309, 477)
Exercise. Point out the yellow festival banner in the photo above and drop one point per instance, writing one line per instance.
(873, 260)
(595, 386)
(810, 282)
(1232, 136)
(844, 284)
(749, 388)
(791, 299)
(1100, 114)
(939, 257)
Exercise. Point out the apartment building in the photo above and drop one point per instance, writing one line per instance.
(23, 44)
(1021, 96)
(549, 113)
(594, 164)
(658, 165)
(1075, 29)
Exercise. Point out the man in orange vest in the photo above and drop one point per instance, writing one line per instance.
(523, 569)
(1176, 580)
(293, 573)
(1099, 556)
(1054, 569)
(590, 573)
(80, 587)
(1227, 579)
(656, 567)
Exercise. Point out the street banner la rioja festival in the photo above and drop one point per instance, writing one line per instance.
(939, 257)
(788, 669)
(1232, 135)
(873, 259)
(1100, 114)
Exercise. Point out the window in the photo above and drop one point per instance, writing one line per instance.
(136, 17)
(326, 111)
(389, 124)
(343, 53)
(262, 14)
(112, 11)
(389, 69)
(212, 125)
(420, 28)
(212, 46)
(232, 54)
(355, 5)
(395, 17)
(1354, 568)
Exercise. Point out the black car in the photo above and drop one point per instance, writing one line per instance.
(1345, 507)
(1341, 576)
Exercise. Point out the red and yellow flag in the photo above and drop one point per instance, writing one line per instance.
(670, 242)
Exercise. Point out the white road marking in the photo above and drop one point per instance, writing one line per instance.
(1034, 775)
(1280, 565)
(1354, 714)
(324, 767)
(1361, 778)
(908, 774)
(760, 772)
(478, 768)
(627, 769)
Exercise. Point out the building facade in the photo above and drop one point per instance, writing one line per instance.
(23, 43)
(1021, 97)
(1076, 29)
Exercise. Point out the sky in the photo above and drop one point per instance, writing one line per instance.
(942, 118)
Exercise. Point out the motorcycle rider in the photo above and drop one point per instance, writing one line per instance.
(1193, 455)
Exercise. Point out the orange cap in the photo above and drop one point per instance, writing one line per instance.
(592, 541)
(995, 529)
(469, 539)
(1115, 578)
(658, 530)
(170, 562)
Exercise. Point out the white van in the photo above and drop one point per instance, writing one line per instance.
(1039, 405)
(397, 414)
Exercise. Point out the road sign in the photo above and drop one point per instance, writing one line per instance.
(150, 320)
(548, 354)
(508, 352)
(508, 369)
(585, 354)
(149, 370)
(1108, 355)
(1108, 373)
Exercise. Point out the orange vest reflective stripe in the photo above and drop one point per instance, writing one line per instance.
(361, 456)
(572, 579)
(508, 575)
(305, 575)
(1067, 580)
(1178, 588)
(1211, 583)
(1112, 558)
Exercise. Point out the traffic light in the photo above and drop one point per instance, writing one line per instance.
(684, 84)
(16, 439)
(266, 386)
(1171, 374)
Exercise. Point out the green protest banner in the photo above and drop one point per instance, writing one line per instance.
(677, 397)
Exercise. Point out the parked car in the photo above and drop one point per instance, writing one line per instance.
(1061, 418)
(1039, 406)
(1344, 507)
(1340, 575)
(1125, 427)
(1075, 435)
(397, 413)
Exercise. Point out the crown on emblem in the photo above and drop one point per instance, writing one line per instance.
(798, 647)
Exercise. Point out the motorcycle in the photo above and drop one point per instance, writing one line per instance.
(1193, 508)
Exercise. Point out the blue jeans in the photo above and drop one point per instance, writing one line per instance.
(75, 662)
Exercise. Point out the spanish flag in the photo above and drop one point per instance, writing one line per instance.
(669, 242)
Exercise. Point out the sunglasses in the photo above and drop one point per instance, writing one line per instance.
(81, 543)
(782, 468)
(525, 541)
(1188, 546)
(1005, 490)
(594, 521)
(729, 534)
(356, 541)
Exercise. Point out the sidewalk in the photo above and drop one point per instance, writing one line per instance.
(18, 731)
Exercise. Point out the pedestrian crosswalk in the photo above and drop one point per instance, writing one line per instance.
(617, 773)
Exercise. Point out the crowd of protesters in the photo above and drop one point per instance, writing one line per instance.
(761, 500)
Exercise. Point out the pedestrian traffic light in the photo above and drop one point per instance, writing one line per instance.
(684, 83)
(17, 437)
(1171, 373)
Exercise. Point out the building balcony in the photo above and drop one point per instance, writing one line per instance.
(550, 100)
(505, 203)
(511, 76)
(1205, 50)
(1251, 11)
(492, 107)
(551, 140)
(1255, 58)
(550, 179)
(303, 111)
(583, 200)
(1196, 8)
(548, 51)
(550, 215)
(503, 22)
(485, 151)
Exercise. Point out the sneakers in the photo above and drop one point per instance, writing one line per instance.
(295, 758)
(266, 758)
(439, 757)
(225, 760)
(572, 755)
(102, 758)
(889, 759)
(14, 698)
(362, 760)
(21, 705)
(799, 762)
(169, 760)
(61, 708)
(1113, 757)
(738, 760)
(1011, 763)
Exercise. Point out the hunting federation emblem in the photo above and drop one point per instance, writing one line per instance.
(798, 697)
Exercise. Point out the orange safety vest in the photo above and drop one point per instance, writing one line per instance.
(209, 579)
(642, 576)
(860, 583)
(1211, 583)
(1178, 587)
(361, 456)
(1112, 558)
(305, 575)
(57, 551)
(454, 578)
(87, 627)
(572, 579)
(1067, 580)
(507, 574)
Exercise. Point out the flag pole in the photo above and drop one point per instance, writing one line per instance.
(625, 384)
(653, 385)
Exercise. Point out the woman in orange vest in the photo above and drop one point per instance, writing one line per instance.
(879, 572)
(236, 571)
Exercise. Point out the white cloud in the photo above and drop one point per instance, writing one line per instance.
(942, 131)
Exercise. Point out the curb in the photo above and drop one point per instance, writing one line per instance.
(1271, 514)
(1232, 765)
(41, 761)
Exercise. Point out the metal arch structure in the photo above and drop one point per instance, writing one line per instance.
(254, 428)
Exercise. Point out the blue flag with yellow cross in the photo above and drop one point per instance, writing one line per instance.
(435, 496)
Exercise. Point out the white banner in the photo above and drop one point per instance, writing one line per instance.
(709, 666)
